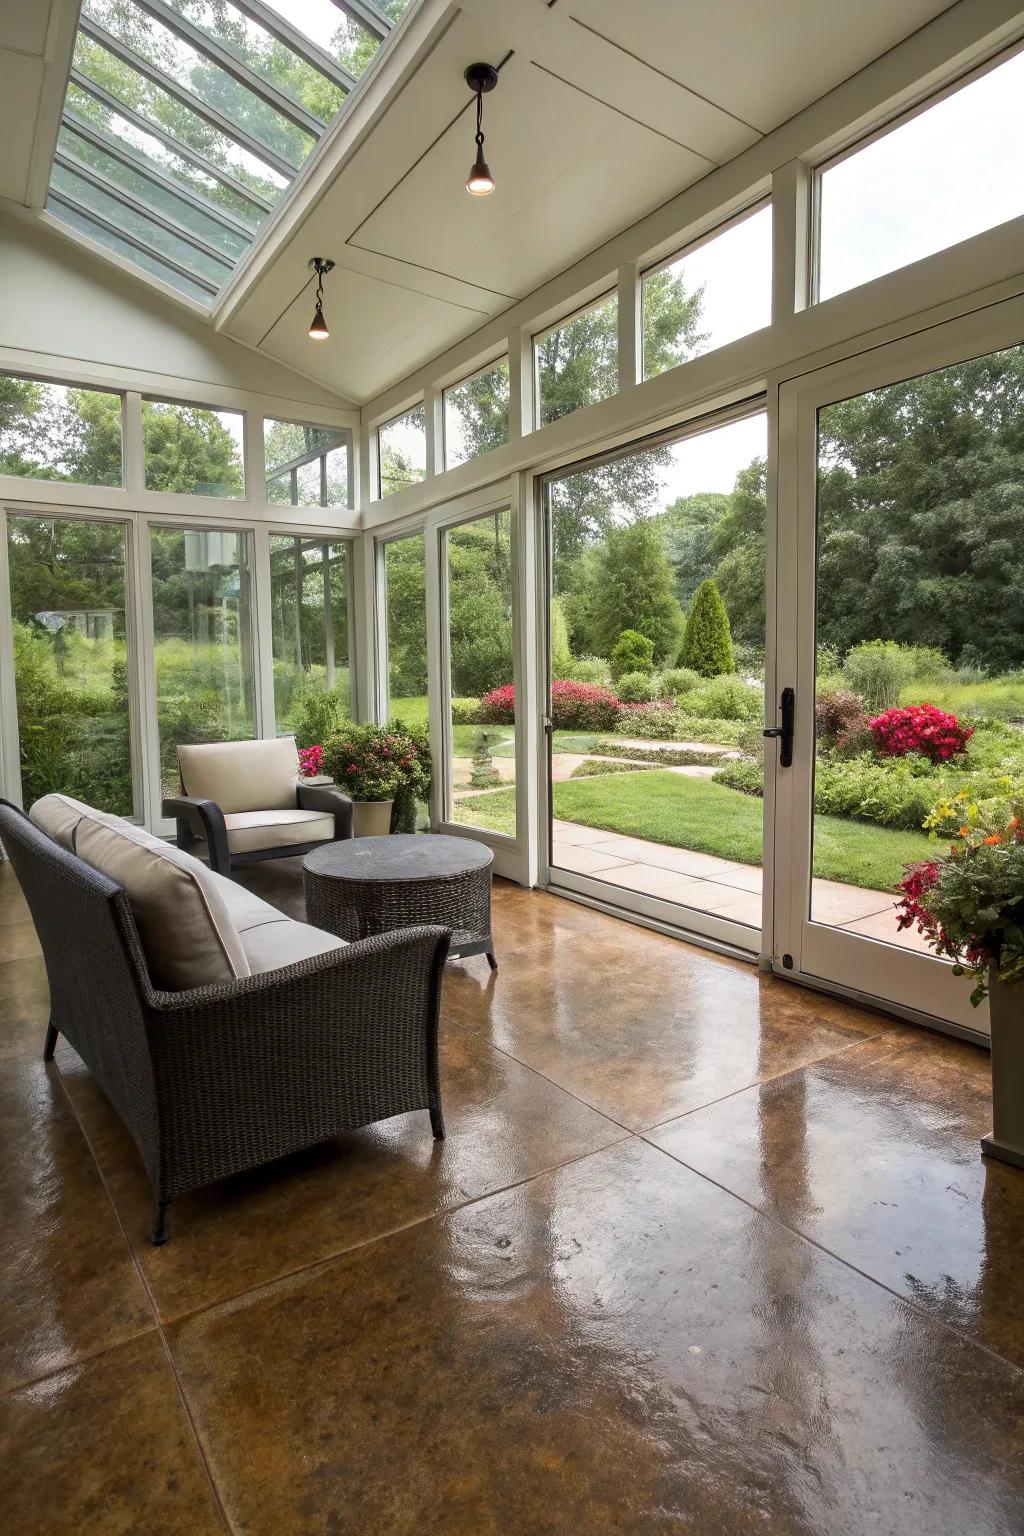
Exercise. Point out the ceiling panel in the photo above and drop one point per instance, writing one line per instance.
(761, 59)
(370, 320)
(24, 24)
(577, 168)
(21, 84)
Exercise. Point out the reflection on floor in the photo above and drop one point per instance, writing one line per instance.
(703, 1252)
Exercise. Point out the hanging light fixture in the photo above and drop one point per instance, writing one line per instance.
(318, 325)
(480, 78)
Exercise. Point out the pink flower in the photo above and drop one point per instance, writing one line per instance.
(919, 728)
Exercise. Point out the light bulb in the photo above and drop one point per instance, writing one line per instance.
(318, 326)
(480, 182)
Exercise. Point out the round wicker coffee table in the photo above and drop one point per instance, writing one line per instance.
(368, 885)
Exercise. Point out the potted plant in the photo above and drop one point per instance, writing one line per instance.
(384, 769)
(969, 905)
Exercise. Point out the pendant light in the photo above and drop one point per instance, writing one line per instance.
(480, 78)
(318, 325)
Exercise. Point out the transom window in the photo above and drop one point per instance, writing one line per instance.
(949, 172)
(577, 361)
(185, 121)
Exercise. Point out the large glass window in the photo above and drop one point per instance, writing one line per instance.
(577, 363)
(309, 625)
(59, 432)
(71, 659)
(942, 176)
(405, 598)
(482, 738)
(402, 451)
(202, 630)
(306, 466)
(192, 449)
(656, 640)
(715, 292)
(476, 415)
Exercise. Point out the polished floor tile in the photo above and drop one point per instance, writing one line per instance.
(104, 1449)
(874, 1154)
(504, 1123)
(68, 1286)
(618, 1346)
(643, 1027)
(24, 1008)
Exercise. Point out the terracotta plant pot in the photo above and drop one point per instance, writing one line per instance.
(1006, 1139)
(371, 818)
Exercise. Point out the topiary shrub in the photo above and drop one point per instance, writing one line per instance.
(637, 687)
(678, 681)
(707, 643)
(878, 670)
(841, 721)
(632, 652)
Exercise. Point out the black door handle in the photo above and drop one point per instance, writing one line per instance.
(787, 709)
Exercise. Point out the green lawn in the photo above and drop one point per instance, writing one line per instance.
(698, 814)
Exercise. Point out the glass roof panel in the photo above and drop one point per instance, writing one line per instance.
(186, 121)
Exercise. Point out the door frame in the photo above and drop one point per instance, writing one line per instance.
(910, 984)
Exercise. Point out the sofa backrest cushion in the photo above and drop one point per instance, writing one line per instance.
(59, 815)
(188, 934)
(242, 775)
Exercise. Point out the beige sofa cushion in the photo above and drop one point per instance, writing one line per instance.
(242, 775)
(181, 908)
(249, 830)
(59, 815)
(269, 938)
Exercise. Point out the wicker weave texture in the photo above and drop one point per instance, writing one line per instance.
(215, 1080)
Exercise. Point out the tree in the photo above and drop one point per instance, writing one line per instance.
(630, 587)
(707, 646)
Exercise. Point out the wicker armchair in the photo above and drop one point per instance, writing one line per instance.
(222, 1078)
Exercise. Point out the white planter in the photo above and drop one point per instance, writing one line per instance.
(1006, 1139)
(371, 818)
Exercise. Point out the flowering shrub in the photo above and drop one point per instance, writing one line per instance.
(499, 706)
(574, 706)
(919, 728)
(373, 762)
(969, 904)
(311, 761)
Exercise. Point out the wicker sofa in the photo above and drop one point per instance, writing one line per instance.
(317, 1037)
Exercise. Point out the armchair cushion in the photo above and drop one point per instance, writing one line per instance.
(254, 830)
(181, 908)
(242, 775)
(59, 815)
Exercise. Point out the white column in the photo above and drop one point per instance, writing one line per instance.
(10, 766)
(432, 411)
(631, 361)
(521, 388)
(529, 663)
(792, 239)
(262, 633)
(437, 672)
(364, 682)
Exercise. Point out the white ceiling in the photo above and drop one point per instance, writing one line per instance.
(604, 111)
(33, 70)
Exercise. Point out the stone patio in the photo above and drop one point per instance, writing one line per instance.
(711, 884)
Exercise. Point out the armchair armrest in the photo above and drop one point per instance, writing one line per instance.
(317, 797)
(190, 812)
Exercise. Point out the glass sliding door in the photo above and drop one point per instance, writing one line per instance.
(202, 635)
(656, 627)
(476, 567)
(309, 611)
(72, 659)
(905, 568)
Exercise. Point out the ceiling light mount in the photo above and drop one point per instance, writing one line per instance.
(480, 78)
(318, 325)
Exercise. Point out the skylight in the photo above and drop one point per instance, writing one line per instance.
(186, 121)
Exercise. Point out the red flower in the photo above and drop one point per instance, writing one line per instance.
(919, 728)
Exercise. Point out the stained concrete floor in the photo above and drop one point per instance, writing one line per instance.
(702, 1253)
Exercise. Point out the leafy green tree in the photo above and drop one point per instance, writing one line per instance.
(630, 587)
(707, 645)
(188, 448)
